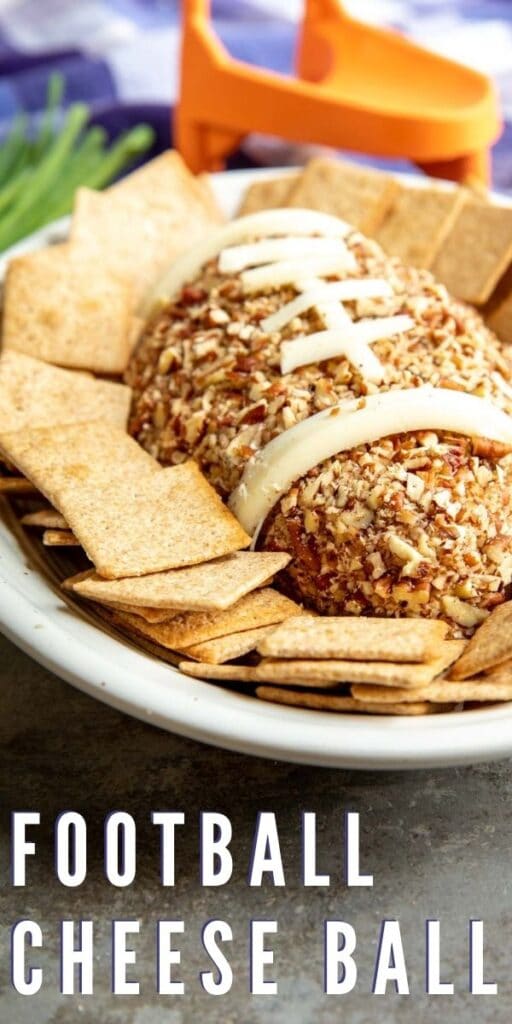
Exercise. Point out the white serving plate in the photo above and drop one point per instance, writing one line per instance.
(66, 640)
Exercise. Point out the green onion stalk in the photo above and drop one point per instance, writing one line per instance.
(39, 177)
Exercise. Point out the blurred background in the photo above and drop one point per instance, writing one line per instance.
(122, 56)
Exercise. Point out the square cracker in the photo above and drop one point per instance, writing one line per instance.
(210, 587)
(267, 195)
(173, 520)
(64, 307)
(139, 226)
(60, 539)
(372, 639)
(71, 456)
(148, 614)
(204, 182)
(131, 516)
(16, 485)
(331, 702)
(418, 223)
(357, 194)
(46, 519)
(483, 689)
(330, 673)
(261, 608)
(476, 252)
(154, 183)
(220, 673)
(501, 672)
(497, 313)
(34, 394)
(491, 645)
(226, 648)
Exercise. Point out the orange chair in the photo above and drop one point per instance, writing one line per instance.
(360, 88)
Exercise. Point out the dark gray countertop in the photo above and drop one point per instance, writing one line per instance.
(438, 844)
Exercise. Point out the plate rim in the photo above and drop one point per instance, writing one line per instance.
(35, 618)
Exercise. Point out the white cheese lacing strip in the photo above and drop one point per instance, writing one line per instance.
(266, 223)
(502, 384)
(273, 262)
(271, 472)
(273, 275)
(321, 257)
(336, 318)
(323, 291)
(351, 341)
(271, 250)
(333, 314)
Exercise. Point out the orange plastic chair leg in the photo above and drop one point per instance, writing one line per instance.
(474, 167)
(203, 148)
(189, 141)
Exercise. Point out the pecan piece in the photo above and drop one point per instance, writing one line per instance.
(255, 415)
(190, 295)
(487, 449)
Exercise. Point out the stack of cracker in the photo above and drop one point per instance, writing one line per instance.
(212, 612)
(462, 236)
(140, 525)
(376, 666)
(167, 555)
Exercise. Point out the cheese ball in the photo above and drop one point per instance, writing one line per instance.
(413, 524)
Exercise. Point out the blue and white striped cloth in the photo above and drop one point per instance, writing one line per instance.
(122, 55)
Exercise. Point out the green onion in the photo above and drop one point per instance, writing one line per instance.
(15, 224)
(47, 130)
(105, 167)
(125, 151)
(14, 148)
(9, 193)
(83, 163)
(39, 177)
